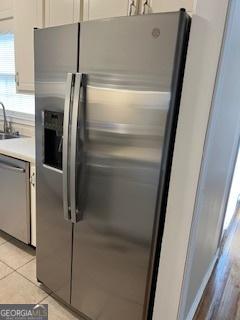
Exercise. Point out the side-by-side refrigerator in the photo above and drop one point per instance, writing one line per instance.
(107, 102)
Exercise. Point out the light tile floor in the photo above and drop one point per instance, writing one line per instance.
(18, 283)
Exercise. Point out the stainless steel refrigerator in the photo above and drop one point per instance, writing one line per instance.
(107, 102)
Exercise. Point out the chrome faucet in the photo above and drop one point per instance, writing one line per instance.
(5, 126)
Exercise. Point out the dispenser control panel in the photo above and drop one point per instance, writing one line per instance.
(53, 139)
(53, 121)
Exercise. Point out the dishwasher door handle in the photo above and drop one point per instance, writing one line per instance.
(11, 168)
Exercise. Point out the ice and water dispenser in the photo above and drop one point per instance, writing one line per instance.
(53, 139)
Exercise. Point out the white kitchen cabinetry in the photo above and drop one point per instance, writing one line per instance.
(28, 14)
(95, 9)
(153, 6)
(33, 204)
(58, 12)
(6, 9)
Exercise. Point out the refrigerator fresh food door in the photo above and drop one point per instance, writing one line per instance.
(128, 65)
(56, 54)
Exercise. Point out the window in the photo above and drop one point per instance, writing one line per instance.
(12, 100)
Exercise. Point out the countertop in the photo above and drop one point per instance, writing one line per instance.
(22, 148)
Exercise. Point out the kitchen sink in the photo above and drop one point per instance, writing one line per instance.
(5, 136)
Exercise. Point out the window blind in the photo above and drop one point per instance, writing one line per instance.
(12, 100)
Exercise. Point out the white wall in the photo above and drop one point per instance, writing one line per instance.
(221, 148)
(202, 63)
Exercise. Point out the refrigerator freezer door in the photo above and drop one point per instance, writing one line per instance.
(129, 63)
(56, 52)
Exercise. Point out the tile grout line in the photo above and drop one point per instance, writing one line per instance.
(43, 299)
(20, 274)
(15, 269)
(12, 271)
(7, 265)
(38, 286)
(25, 263)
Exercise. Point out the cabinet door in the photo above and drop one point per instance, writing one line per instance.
(28, 14)
(58, 12)
(95, 9)
(153, 6)
(6, 9)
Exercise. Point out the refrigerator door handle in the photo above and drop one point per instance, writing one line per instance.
(75, 214)
(66, 145)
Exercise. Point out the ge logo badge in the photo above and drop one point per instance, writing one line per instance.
(156, 33)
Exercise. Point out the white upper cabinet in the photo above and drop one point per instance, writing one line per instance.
(6, 16)
(153, 6)
(6, 9)
(38, 13)
(28, 14)
(58, 12)
(96, 9)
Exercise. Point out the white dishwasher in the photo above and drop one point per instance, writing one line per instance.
(14, 198)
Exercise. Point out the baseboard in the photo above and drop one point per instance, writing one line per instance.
(202, 288)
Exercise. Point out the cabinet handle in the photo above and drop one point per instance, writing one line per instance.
(132, 8)
(146, 7)
(32, 179)
(11, 168)
(17, 79)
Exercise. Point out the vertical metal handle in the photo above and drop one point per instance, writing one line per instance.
(74, 131)
(66, 124)
(17, 79)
